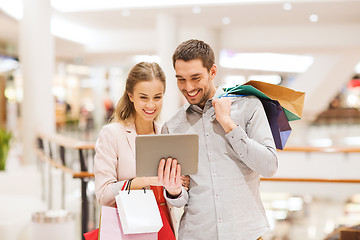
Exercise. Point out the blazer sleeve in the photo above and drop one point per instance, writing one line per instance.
(105, 166)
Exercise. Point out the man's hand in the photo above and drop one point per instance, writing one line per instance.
(169, 176)
(185, 181)
(222, 107)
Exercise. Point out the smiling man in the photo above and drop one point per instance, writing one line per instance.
(235, 148)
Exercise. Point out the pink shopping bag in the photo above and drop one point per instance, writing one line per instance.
(110, 227)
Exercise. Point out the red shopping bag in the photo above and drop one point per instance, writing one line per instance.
(92, 235)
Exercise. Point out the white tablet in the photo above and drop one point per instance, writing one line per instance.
(151, 148)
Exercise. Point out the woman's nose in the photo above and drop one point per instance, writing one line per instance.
(150, 104)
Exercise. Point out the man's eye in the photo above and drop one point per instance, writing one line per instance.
(196, 79)
(142, 97)
(158, 97)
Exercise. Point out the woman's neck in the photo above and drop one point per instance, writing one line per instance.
(144, 127)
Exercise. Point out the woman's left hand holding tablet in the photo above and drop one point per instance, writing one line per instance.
(169, 173)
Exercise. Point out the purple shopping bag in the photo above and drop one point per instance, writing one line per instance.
(279, 124)
(110, 227)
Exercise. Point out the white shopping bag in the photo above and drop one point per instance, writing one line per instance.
(138, 211)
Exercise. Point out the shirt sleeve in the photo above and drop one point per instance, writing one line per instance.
(180, 201)
(255, 145)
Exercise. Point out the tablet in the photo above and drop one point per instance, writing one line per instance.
(151, 148)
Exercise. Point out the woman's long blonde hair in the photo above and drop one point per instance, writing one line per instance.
(143, 71)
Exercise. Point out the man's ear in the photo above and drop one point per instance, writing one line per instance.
(131, 97)
(213, 71)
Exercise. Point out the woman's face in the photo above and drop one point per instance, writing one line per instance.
(147, 98)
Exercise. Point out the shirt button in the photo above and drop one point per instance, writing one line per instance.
(213, 174)
(219, 220)
(217, 197)
(210, 153)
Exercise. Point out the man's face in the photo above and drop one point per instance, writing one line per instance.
(195, 82)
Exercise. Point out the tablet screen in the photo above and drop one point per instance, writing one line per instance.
(151, 148)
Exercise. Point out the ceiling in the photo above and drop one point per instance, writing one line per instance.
(334, 40)
(265, 14)
(259, 15)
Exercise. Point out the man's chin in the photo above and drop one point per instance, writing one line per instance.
(192, 101)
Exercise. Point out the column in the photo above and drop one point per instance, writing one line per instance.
(37, 59)
(214, 40)
(166, 43)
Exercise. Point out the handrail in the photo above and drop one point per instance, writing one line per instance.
(76, 144)
(67, 142)
(318, 180)
(321, 149)
(52, 162)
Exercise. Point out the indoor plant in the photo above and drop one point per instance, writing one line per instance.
(5, 137)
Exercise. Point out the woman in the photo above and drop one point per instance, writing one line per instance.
(135, 114)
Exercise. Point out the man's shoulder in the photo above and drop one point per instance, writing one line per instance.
(178, 117)
(248, 101)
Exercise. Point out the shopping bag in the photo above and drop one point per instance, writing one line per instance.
(138, 211)
(290, 100)
(110, 227)
(278, 122)
(92, 235)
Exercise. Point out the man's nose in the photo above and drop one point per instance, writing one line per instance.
(188, 86)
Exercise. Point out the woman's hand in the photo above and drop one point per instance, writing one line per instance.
(169, 176)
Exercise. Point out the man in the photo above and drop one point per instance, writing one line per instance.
(235, 148)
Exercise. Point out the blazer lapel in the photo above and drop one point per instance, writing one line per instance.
(131, 135)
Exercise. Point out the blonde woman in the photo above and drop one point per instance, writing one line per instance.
(135, 114)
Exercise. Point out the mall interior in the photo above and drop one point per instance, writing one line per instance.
(63, 65)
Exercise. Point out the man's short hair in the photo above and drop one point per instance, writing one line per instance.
(195, 49)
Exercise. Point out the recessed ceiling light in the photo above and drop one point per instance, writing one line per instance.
(196, 9)
(126, 12)
(274, 62)
(313, 18)
(287, 6)
(226, 20)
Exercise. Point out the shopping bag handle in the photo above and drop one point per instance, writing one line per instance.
(129, 185)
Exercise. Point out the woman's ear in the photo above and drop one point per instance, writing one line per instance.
(131, 97)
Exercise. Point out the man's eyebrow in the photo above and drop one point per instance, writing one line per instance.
(143, 94)
(194, 75)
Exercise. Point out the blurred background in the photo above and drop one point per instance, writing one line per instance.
(63, 65)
